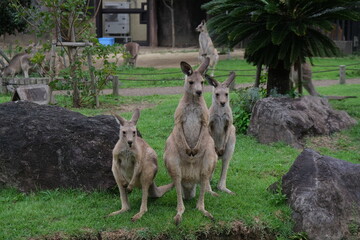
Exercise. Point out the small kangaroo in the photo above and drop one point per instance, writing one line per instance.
(207, 48)
(133, 49)
(20, 63)
(135, 165)
(221, 125)
(190, 156)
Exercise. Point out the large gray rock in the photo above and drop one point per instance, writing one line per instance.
(291, 119)
(324, 194)
(47, 147)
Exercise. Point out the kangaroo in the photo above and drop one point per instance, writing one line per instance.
(306, 78)
(190, 156)
(20, 63)
(135, 165)
(221, 125)
(133, 49)
(207, 48)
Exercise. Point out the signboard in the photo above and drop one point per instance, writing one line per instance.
(39, 93)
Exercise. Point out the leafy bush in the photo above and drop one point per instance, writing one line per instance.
(242, 105)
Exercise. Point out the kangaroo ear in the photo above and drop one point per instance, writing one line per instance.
(186, 68)
(211, 81)
(119, 119)
(204, 65)
(135, 116)
(230, 79)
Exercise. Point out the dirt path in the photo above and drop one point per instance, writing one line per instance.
(170, 58)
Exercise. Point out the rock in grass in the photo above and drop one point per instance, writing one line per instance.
(292, 119)
(47, 147)
(324, 194)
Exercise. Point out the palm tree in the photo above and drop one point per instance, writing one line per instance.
(281, 33)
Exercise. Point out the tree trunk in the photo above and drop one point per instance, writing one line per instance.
(278, 79)
(258, 76)
(171, 9)
(300, 77)
(72, 60)
(172, 25)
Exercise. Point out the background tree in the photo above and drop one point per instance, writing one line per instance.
(170, 5)
(72, 21)
(281, 33)
(10, 21)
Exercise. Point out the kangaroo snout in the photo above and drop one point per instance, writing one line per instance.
(198, 92)
(222, 104)
(130, 143)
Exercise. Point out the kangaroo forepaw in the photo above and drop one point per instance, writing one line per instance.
(221, 152)
(195, 151)
(129, 189)
(188, 151)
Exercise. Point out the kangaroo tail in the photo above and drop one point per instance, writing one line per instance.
(156, 192)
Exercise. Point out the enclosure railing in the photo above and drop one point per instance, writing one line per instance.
(164, 76)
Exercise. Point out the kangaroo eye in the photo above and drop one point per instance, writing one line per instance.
(191, 82)
(124, 132)
(134, 133)
(217, 94)
(202, 83)
(226, 94)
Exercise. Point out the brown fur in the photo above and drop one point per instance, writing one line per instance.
(20, 63)
(207, 48)
(135, 165)
(190, 156)
(133, 49)
(221, 126)
(306, 78)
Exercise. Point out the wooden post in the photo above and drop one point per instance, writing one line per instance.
(2, 86)
(342, 74)
(115, 83)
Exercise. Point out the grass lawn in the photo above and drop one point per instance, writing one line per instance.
(74, 213)
(324, 68)
(151, 77)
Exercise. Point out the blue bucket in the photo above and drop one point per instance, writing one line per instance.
(107, 41)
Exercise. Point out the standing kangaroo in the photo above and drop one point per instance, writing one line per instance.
(135, 165)
(190, 156)
(133, 49)
(221, 125)
(207, 48)
(306, 78)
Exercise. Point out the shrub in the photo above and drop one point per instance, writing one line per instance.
(242, 104)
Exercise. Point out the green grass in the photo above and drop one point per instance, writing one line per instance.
(253, 168)
(152, 77)
(245, 72)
